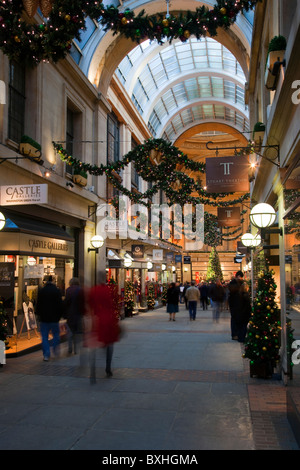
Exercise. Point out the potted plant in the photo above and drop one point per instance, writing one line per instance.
(30, 148)
(276, 51)
(80, 177)
(258, 133)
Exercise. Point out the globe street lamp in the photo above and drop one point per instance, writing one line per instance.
(2, 221)
(262, 215)
(96, 242)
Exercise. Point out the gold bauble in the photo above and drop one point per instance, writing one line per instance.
(186, 34)
(124, 20)
(223, 11)
(165, 22)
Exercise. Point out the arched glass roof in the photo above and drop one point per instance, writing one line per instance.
(183, 83)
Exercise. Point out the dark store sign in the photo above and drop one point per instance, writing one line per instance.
(137, 251)
(15, 242)
(229, 216)
(227, 174)
(7, 285)
(186, 260)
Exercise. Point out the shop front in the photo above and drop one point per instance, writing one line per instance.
(31, 251)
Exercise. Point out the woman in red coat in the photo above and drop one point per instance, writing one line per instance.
(105, 325)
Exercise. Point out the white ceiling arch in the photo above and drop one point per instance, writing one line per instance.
(203, 113)
(103, 52)
(162, 82)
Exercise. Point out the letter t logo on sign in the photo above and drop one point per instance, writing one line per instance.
(227, 167)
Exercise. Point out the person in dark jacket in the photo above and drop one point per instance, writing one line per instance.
(49, 310)
(244, 315)
(73, 312)
(240, 307)
(203, 295)
(172, 300)
(217, 296)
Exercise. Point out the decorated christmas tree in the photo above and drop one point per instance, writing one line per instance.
(113, 286)
(214, 270)
(263, 337)
(128, 298)
(150, 297)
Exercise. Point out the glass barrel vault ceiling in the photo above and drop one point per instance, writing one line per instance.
(183, 84)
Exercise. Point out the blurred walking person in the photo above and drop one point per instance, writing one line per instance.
(193, 295)
(49, 310)
(73, 312)
(172, 300)
(217, 293)
(105, 325)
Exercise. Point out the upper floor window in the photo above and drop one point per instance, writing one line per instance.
(113, 139)
(16, 110)
(73, 134)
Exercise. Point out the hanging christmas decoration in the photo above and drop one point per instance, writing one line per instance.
(163, 175)
(51, 39)
(31, 6)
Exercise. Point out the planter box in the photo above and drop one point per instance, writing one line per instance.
(273, 57)
(80, 179)
(270, 79)
(29, 151)
(262, 371)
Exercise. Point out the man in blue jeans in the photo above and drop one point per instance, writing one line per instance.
(49, 310)
(192, 295)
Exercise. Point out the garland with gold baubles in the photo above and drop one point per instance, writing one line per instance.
(156, 161)
(32, 38)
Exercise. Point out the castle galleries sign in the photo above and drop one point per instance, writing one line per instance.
(227, 174)
(23, 194)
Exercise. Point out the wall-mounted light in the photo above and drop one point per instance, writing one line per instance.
(2, 221)
(149, 265)
(247, 239)
(163, 267)
(262, 215)
(47, 174)
(250, 240)
(96, 242)
(127, 262)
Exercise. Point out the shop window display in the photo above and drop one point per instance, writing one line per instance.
(292, 276)
(21, 278)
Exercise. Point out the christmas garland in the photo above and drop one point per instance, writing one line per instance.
(161, 170)
(23, 40)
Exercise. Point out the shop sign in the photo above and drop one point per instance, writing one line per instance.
(137, 251)
(7, 285)
(36, 245)
(229, 216)
(227, 174)
(158, 255)
(178, 258)
(186, 260)
(49, 246)
(14, 195)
